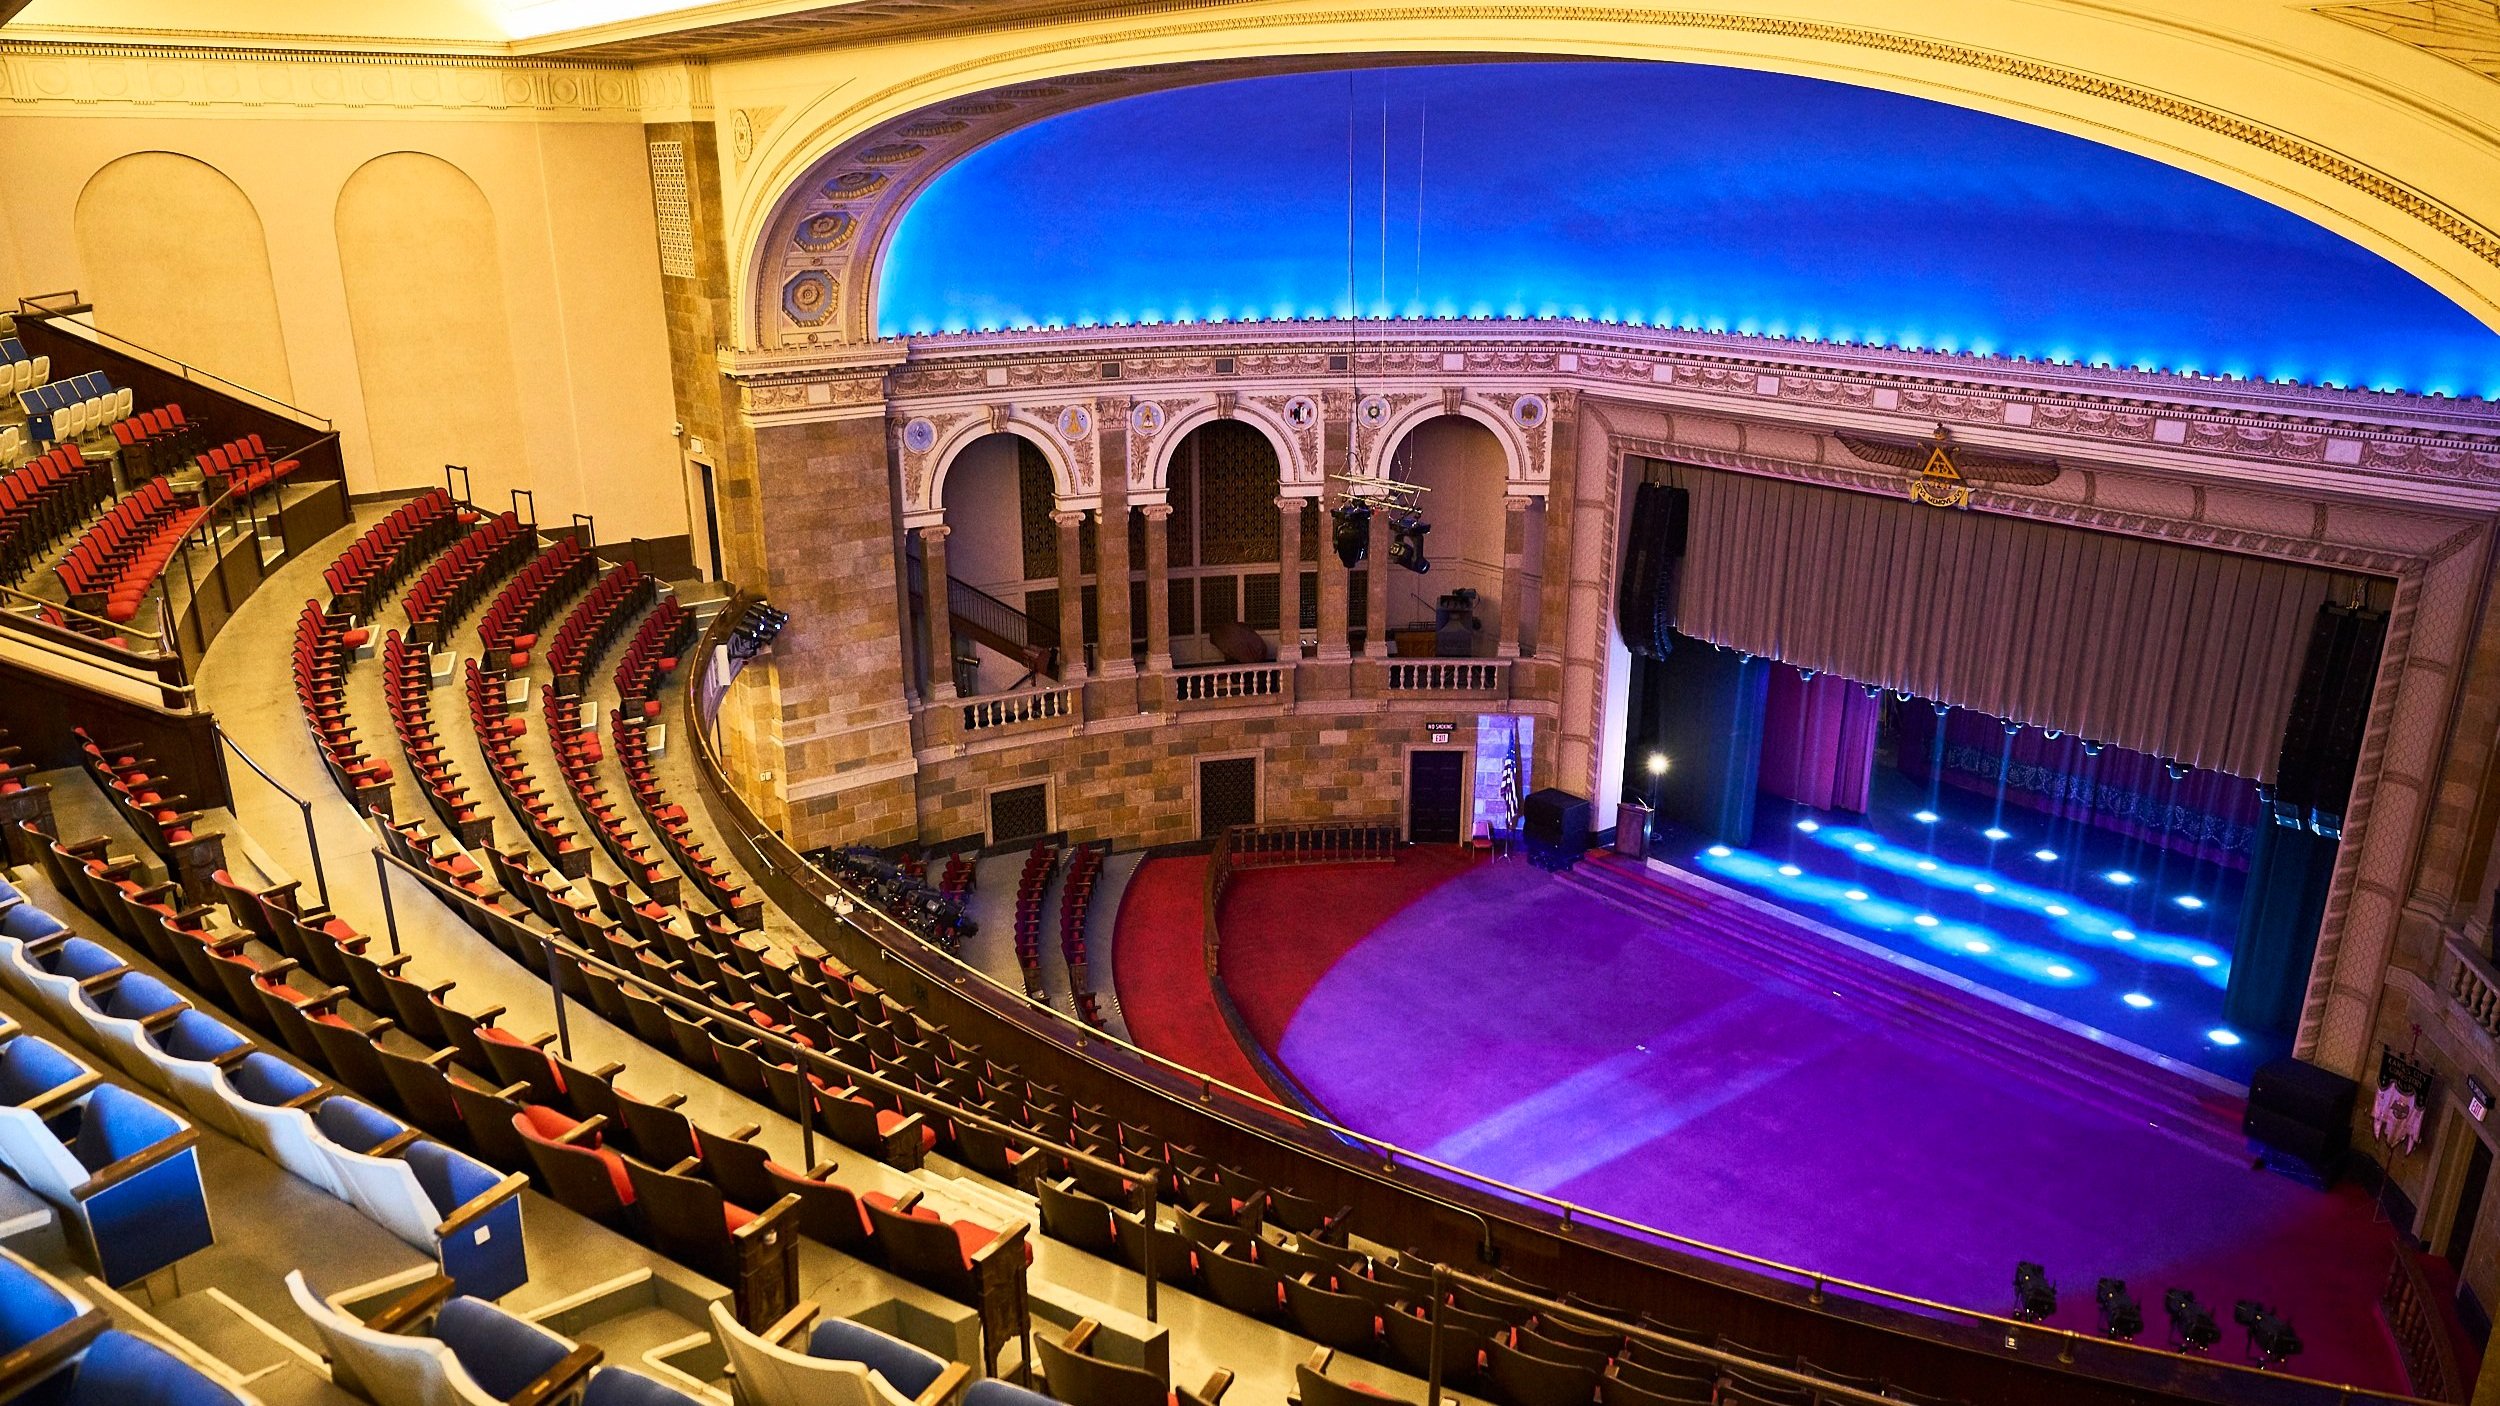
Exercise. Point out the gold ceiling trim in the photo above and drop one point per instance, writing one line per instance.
(2463, 32)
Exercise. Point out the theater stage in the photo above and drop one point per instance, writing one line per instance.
(1629, 1047)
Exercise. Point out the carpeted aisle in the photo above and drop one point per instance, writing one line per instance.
(1158, 957)
(1285, 927)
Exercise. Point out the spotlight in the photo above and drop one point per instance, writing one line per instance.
(1657, 763)
(1925, 920)
(2222, 1037)
(1790, 871)
(2175, 770)
(758, 625)
(2035, 1298)
(2045, 856)
(2055, 910)
(1864, 846)
(2121, 935)
(2208, 960)
(2091, 748)
(2052, 733)
(2271, 1340)
(1992, 832)
(2121, 1316)
(1406, 542)
(2013, 728)
(2060, 972)
(1925, 817)
(2138, 1000)
(1855, 895)
(1353, 532)
(1808, 826)
(1805, 675)
(1872, 690)
(2120, 877)
(2192, 1327)
(1983, 888)
(2189, 901)
(1942, 708)
(1719, 851)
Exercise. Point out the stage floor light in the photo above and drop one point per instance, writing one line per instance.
(2138, 1000)
(2224, 1038)
(1808, 826)
(1994, 833)
(2045, 856)
(1926, 817)
(2120, 877)
(2189, 901)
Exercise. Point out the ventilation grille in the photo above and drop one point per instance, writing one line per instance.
(670, 204)
(1020, 814)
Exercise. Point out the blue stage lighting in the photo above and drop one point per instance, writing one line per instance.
(2061, 972)
(1925, 920)
(2224, 1038)
(2056, 910)
(2045, 856)
(1926, 817)
(2119, 877)
(2206, 960)
(1808, 826)
(2121, 935)
(1864, 847)
(1994, 833)
(1976, 948)
(1790, 871)
(2138, 1000)
(1983, 888)
(1927, 866)
(1855, 895)
(2189, 901)
(1719, 851)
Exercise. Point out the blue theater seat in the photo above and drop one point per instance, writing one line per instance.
(39, 1076)
(120, 1370)
(44, 1325)
(479, 1355)
(127, 1179)
(621, 1386)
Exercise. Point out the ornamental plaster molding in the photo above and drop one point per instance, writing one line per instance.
(49, 77)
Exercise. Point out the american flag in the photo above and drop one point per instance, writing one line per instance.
(1510, 779)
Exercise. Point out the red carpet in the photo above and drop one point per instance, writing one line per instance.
(1285, 927)
(1158, 959)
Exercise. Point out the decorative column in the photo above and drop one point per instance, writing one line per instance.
(1158, 587)
(936, 603)
(1289, 579)
(1334, 584)
(1113, 659)
(1376, 598)
(1514, 576)
(1071, 596)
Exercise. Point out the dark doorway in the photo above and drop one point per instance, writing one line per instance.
(1435, 801)
(1228, 795)
(2469, 1205)
(711, 518)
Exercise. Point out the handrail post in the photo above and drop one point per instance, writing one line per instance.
(1154, 1184)
(1432, 1376)
(312, 841)
(555, 988)
(390, 914)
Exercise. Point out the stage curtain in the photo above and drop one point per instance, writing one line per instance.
(2279, 917)
(1818, 740)
(2205, 813)
(1705, 713)
(2178, 651)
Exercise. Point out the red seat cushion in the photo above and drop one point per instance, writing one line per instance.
(888, 1120)
(735, 1215)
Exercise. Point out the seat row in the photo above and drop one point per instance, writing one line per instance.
(19, 371)
(447, 587)
(57, 1349)
(44, 500)
(375, 563)
(508, 629)
(1032, 886)
(499, 727)
(324, 643)
(244, 466)
(407, 692)
(652, 657)
(161, 817)
(113, 566)
(668, 819)
(578, 755)
(63, 410)
(593, 622)
(161, 440)
(1076, 907)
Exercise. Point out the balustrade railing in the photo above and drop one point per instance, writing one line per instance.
(2474, 985)
(1011, 709)
(1311, 842)
(1446, 676)
(2421, 1334)
(1229, 682)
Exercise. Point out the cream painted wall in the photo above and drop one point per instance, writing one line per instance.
(177, 262)
(1463, 464)
(984, 516)
(425, 301)
(574, 251)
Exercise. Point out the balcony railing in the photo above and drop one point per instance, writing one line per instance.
(1232, 683)
(1448, 676)
(2474, 985)
(1015, 709)
(2421, 1333)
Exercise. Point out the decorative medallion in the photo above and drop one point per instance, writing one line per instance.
(1939, 484)
(1372, 413)
(1147, 418)
(827, 231)
(919, 436)
(893, 153)
(980, 107)
(807, 299)
(935, 127)
(855, 185)
(1528, 412)
(741, 134)
(1075, 422)
(1302, 412)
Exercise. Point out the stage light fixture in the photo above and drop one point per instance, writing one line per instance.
(2045, 856)
(1925, 817)
(2035, 1298)
(1983, 888)
(1808, 826)
(2091, 748)
(2192, 1327)
(2189, 901)
(2120, 877)
(2175, 771)
(1926, 866)
(2051, 733)
(1352, 534)
(2208, 961)
(2013, 728)
(1993, 833)
(1942, 708)
(1805, 675)
(2224, 1038)
(2055, 910)
(1873, 690)
(1790, 871)
(2059, 973)
(2271, 1340)
(2138, 1000)
(2122, 1318)
(1855, 895)
(2121, 935)
(758, 626)
(1925, 920)
(1864, 846)
(1979, 949)
(1657, 763)
(1406, 541)
(1718, 851)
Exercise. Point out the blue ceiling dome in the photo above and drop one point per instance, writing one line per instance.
(1714, 198)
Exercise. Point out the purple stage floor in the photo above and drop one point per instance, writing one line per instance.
(1517, 1025)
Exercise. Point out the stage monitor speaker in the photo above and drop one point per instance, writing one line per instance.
(2304, 1093)
(1653, 555)
(1556, 826)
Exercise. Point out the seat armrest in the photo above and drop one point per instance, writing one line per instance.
(1081, 1334)
(587, 1128)
(395, 1144)
(416, 1306)
(799, 1319)
(823, 1170)
(440, 1057)
(559, 1381)
(1218, 1382)
(478, 1205)
(136, 1162)
(1012, 1238)
(51, 1102)
(22, 1367)
(770, 1220)
(950, 1384)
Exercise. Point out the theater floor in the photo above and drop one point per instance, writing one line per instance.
(1521, 1026)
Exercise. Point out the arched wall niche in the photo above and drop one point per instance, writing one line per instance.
(970, 430)
(425, 299)
(1168, 440)
(174, 258)
(2412, 185)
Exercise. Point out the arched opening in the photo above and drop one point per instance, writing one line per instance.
(1225, 546)
(1001, 551)
(1457, 609)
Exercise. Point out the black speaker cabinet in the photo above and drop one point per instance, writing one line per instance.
(1556, 825)
(2300, 1118)
(1653, 554)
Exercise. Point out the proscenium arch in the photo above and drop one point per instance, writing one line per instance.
(1180, 427)
(2420, 186)
(971, 432)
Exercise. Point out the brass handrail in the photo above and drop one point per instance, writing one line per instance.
(1819, 1282)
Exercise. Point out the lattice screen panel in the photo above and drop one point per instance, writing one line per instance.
(1020, 814)
(673, 208)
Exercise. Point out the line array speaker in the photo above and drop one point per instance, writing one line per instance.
(2322, 740)
(1653, 558)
